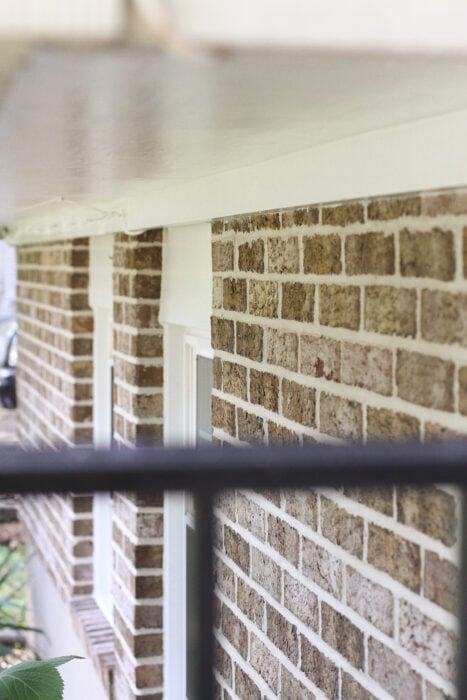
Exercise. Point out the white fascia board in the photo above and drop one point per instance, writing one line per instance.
(422, 155)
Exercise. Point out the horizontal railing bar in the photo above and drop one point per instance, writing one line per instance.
(209, 469)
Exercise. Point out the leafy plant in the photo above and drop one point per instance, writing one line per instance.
(33, 679)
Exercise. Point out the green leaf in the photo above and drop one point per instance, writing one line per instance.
(34, 680)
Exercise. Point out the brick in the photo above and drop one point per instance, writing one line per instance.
(370, 254)
(434, 431)
(264, 389)
(342, 635)
(433, 693)
(282, 348)
(320, 357)
(223, 662)
(303, 506)
(266, 572)
(322, 255)
(234, 379)
(383, 424)
(283, 255)
(217, 292)
(395, 556)
(279, 435)
(282, 633)
(251, 256)
(264, 663)
(234, 630)
(441, 582)
(264, 298)
(217, 227)
(427, 254)
(298, 301)
(448, 203)
(341, 528)
(234, 294)
(319, 669)
(425, 380)
(394, 208)
(343, 215)
(301, 602)
(463, 390)
(392, 672)
(222, 256)
(351, 690)
(368, 367)
(250, 341)
(300, 217)
(284, 539)
(464, 251)
(298, 403)
(224, 578)
(292, 688)
(223, 415)
(217, 373)
(266, 220)
(222, 334)
(245, 686)
(251, 516)
(339, 306)
(427, 640)
(429, 510)
(444, 317)
(251, 604)
(237, 549)
(371, 601)
(322, 567)
(340, 417)
(391, 311)
(250, 427)
(238, 224)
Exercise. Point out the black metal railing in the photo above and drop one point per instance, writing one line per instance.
(206, 472)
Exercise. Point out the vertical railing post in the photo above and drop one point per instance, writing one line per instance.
(203, 581)
(462, 651)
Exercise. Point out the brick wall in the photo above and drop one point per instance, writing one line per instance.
(54, 386)
(138, 518)
(332, 323)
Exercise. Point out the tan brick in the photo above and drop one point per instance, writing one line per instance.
(351, 690)
(322, 567)
(222, 334)
(223, 415)
(244, 686)
(234, 379)
(320, 357)
(463, 390)
(251, 256)
(464, 250)
(234, 294)
(303, 506)
(264, 298)
(264, 663)
(266, 572)
(427, 254)
(343, 214)
(223, 662)
(342, 635)
(283, 255)
(301, 602)
(251, 516)
(237, 549)
(369, 254)
(235, 631)
(292, 688)
(298, 301)
(322, 255)
(395, 556)
(300, 217)
(367, 366)
(217, 227)
(340, 417)
(251, 604)
(266, 220)
(282, 633)
(434, 431)
(371, 601)
(441, 582)
(284, 539)
(425, 380)
(217, 373)
(222, 256)
(279, 435)
(250, 341)
(429, 510)
(250, 427)
(427, 640)
(392, 672)
(339, 306)
(444, 317)
(340, 527)
(238, 224)
(383, 424)
(319, 669)
(448, 203)
(391, 311)
(298, 403)
(282, 348)
(394, 208)
(264, 389)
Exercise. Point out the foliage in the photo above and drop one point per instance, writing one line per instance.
(38, 680)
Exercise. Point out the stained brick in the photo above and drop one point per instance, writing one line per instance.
(395, 556)
(391, 310)
(427, 254)
(368, 367)
(298, 301)
(429, 510)
(339, 306)
(320, 357)
(425, 380)
(369, 254)
(282, 348)
(322, 255)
